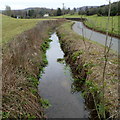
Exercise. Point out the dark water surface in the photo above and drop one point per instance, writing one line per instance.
(95, 36)
(55, 85)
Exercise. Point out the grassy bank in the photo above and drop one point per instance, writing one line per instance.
(87, 62)
(99, 23)
(12, 27)
(67, 16)
(23, 59)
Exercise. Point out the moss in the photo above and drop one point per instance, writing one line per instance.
(45, 103)
(44, 60)
(5, 115)
(76, 54)
(45, 45)
(33, 91)
(33, 81)
(61, 60)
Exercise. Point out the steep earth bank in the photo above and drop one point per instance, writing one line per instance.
(23, 59)
(88, 62)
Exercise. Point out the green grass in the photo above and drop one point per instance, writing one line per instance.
(12, 27)
(99, 23)
(76, 54)
(67, 16)
(45, 103)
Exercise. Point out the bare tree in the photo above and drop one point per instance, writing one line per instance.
(106, 52)
(8, 10)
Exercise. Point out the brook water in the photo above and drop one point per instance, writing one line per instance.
(55, 85)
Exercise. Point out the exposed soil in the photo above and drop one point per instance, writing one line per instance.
(21, 64)
(87, 62)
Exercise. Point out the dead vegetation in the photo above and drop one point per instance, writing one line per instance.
(87, 62)
(21, 64)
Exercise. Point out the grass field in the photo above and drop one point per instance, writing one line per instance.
(99, 23)
(68, 16)
(12, 27)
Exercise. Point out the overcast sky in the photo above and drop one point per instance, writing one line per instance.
(21, 4)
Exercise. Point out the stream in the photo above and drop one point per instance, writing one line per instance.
(95, 36)
(55, 85)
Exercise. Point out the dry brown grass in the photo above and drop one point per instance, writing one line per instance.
(71, 42)
(21, 62)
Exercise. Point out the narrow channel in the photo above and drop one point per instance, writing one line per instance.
(95, 36)
(55, 85)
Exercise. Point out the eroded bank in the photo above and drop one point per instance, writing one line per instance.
(87, 62)
(22, 60)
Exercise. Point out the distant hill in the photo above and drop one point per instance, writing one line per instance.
(100, 10)
(38, 12)
(37, 8)
(31, 12)
(84, 7)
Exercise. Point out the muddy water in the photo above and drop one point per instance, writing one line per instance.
(95, 36)
(55, 85)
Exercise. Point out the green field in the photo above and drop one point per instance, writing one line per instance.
(67, 16)
(99, 23)
(12, 27)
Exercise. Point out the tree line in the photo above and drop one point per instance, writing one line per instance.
(40, 12)
(36, 12)
(102, 10)
(28, 13)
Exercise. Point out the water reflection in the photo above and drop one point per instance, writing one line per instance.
(79, 86)
(55, 85)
